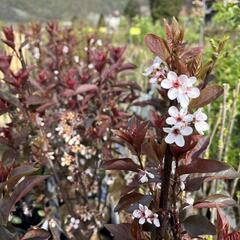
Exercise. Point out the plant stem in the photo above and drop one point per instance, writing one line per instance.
(165, 192)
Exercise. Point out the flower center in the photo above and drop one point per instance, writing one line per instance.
(179, 119)
(176, 131)
(176, 84)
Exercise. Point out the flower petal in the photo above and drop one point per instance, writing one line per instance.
(172, 76)
(200, 116)
(156, 222)
(193, 93)
(179, 140)
(167, 130)
(144, 178)
(153, 80)
(188, 118)
(137, 213)
(166, 84)
(170, 138)
(171, 121)
(150, 175)
(173, 111)
(201, 127)
(141, 207)
(148, 212)
(183, 79)
(172, 93)
(148, 71)
(141, 220)
(183, 100)
(186, 131)
(157, 60)
(192, 80)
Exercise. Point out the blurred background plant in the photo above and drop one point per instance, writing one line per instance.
(120, 23)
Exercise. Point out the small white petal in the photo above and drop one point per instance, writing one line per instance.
(148, 71)
(167, 130)
(156, 222)
(170, 138)
(201, 127)
(173, 111)
(183, 100)
(142, 220)
(200, 116)
(172, 93)
(172, 76)
(183, 111)
(179, 140)
(186, 131)
(194, 92)
(144, 179)
(137, 213)
(166, 84)
(147, 212)
(150, 175)
(141, 207)
(149, 220)
(157, 60)
(153, 80)
(192, 80)
(183, 79)
(171, 121)
(188, 118)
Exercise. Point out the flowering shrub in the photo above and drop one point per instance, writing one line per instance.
(63, 106)
(167, 154)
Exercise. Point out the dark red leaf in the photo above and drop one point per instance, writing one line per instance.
(197, 225)
(214, 201)
(202, 166)
(207, 95)
(157, 45)
(126, 200)
(120, 231)
(36, 234)
(121, 164)
(86, 88)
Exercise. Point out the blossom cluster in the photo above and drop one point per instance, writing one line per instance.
(144, 214)
(181, 89)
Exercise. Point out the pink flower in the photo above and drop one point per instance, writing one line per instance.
(188, 91)
(140, 213)
(143, 213)
(180, 88)
(154, 70)
(145, 175)
(176, 134)
(181, 118)
(199, 121)
(152, 218)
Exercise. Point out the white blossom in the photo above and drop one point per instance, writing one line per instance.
(140, 213)
(74, 223)
(145, 175)
(65, 49)
(153, 70)
(180, 88)
(36, 53)
(152, 218)
(76, 59)
(176, 134)
(50, 155)
(181, 118)
(200, 121)
(143, 213)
